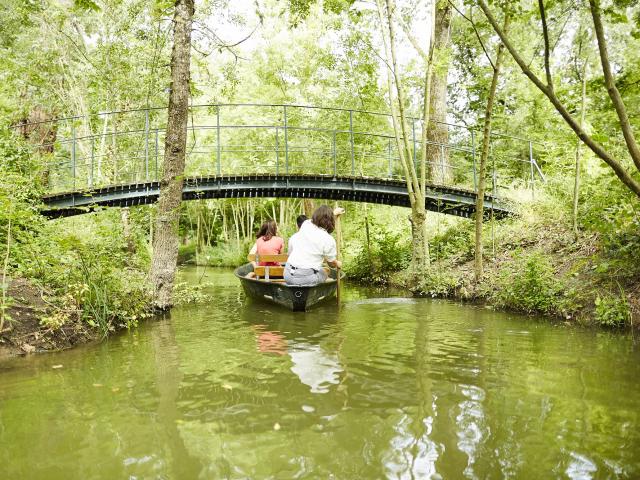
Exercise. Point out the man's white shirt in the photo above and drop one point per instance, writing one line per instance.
(311, 246)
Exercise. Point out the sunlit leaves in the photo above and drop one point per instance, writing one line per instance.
(86, 5)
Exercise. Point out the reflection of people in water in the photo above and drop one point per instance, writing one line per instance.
(314, 367)
(270, 342)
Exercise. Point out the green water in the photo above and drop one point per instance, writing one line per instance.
(384, 388)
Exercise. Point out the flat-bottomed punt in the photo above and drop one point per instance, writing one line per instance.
(264, 286)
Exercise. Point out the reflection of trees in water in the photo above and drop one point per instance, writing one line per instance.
(168, 378)
(443, 434)
(461, 397)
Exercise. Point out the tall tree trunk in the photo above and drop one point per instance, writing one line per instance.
(415, 182)
(281, 212)
(420, 260)
(576, 185)
(486, 141)
(165, 244)
(437, 132)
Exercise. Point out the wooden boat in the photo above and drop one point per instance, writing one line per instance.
(269, 285)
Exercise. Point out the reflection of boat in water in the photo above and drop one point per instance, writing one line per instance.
(295, 298)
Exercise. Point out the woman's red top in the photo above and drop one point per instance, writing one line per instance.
(273, 246)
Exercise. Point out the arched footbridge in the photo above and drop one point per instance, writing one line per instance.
(452, 201)
(288, 151)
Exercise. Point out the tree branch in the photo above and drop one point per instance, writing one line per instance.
(610, 83)
(475, 29)
(547, 50)
(594, 146)
(413, 40)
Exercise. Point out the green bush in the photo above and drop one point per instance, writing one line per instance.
(529, 285)
(612, 311)
(224, 255)
(187, 253)
(83, 265)
(612, 212)
(386, 254)
(92, 281)
(456, 241)
(437, 283)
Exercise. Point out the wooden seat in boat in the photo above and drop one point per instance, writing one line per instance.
(268, 272)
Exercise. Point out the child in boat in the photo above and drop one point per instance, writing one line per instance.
(267, 242)
(313, 245)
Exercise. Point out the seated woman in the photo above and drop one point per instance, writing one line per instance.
(314, 244)
(267, 243)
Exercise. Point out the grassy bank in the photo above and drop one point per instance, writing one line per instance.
(64, 281)
(534, 263)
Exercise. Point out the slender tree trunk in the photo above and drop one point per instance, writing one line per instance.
(225, 223)
(576, 185)
(151, 235)
(308, 205)
(420, 260)
(102, 150)
(484, 155)
(415, 184)
(165, 244)
(366, 231)
(438, 132)
(198, 246)
(5, 267)
(281, 205)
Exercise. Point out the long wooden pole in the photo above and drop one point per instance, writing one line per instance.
(338, 243)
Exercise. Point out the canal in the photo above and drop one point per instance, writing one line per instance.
(385, 387)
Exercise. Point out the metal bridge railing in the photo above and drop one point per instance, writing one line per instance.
(127, 146)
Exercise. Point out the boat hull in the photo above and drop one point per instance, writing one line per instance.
(294, 298)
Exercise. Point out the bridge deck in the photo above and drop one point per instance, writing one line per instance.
(449, 200)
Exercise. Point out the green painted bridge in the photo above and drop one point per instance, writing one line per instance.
(258, 150)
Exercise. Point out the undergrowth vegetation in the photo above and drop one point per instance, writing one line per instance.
(380, 257)
(535, 263)
(84, 267)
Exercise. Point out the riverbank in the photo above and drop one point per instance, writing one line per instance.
(25, 331)
(535, 264)
(37, 321)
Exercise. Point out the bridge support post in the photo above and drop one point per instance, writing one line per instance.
(286, 142)
(533, 193)
(93, 144)
(146, 144)
(156, 179)
(73, 153)
(277, 151)
(353, 157)
(389, 158)
(335, 158)
(473, 158)
(218, 167)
